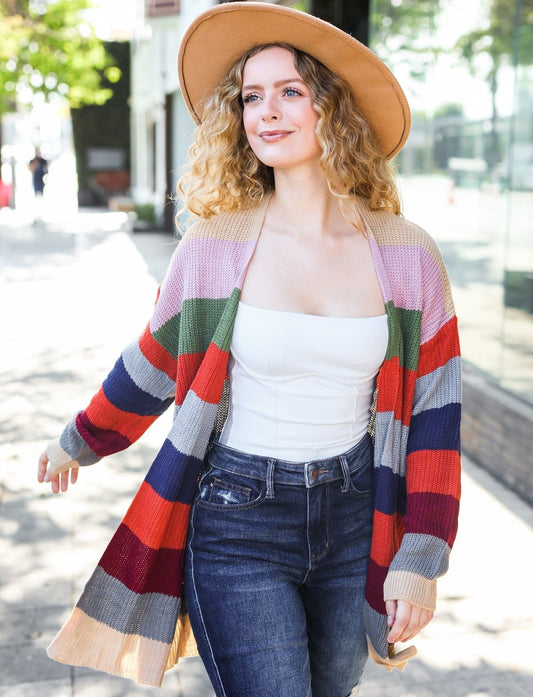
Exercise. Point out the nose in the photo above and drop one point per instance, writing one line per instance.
(270, 111)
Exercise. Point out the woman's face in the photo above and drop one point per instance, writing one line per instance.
(278, 115)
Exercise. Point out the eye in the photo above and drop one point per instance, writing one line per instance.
(292, 92)
(248, 98)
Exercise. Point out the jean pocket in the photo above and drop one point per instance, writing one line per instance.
(227, 490)
(361, 479)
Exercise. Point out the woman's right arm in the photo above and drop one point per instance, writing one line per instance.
(139, 388)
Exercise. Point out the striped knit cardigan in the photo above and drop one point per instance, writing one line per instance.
(129, 620)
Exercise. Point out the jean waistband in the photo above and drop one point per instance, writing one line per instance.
(306, 474)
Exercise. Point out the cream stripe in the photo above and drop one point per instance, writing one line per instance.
(57, 456)
(415, 589)
(85, 642)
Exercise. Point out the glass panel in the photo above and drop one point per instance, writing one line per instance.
(466, 171)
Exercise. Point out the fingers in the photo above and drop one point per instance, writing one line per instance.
(391, 606)
(41, 470)
(409, 620)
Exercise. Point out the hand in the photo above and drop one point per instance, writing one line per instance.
(57, 476)
(405, 620)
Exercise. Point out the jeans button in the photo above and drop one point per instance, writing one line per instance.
(315, 473)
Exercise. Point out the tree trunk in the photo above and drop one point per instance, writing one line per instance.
(350, 16)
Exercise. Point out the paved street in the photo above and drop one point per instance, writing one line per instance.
(74, 291)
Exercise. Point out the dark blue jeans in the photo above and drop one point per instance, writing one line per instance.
(275, 572)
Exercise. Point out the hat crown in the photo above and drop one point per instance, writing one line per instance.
(217, 38)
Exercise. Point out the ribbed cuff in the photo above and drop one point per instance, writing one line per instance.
(59, 457)
(415, 589)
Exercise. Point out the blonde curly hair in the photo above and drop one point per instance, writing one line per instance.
(225, 175)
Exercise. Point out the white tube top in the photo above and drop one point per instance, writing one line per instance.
(301, 385)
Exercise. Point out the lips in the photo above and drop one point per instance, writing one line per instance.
(273, 136)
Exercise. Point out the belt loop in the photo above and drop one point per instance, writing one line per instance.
(345, 474)
(270, 479)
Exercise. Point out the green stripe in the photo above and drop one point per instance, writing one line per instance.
(224, 331)
(168, 335)
(404, 335)
(201, 320)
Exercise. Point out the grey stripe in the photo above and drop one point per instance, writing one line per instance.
(439, 388)
(424, 555)
(74, 445)
(390, 442)
(152, 615)
(146, 376)
(376, 629)
(193, 425)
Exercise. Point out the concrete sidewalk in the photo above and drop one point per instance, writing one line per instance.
(74, 293)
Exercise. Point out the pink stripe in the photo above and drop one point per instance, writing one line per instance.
(402, 265)
(380, 270)
(222, 264)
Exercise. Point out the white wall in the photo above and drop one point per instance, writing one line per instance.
(154, 75)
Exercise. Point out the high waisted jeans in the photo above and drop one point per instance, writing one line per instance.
(275, 572)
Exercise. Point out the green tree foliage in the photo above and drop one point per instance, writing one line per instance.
(403, 31)
(49, 47)
(449, 110)
(507, 39)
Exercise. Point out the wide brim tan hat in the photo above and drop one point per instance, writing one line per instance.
(217, 38)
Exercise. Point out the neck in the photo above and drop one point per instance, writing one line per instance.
(303, 202)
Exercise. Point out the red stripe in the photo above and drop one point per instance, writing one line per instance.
(440, 349)
(393, 395)
(404, 404)
(156, 354)
(103, 415)
(209, 381)
(387, 535)
(147, 570)
(188, 364)
(166, 526)
(436, 471)
(387, 384)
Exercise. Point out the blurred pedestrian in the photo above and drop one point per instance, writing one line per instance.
(39, 170)
(306, 498)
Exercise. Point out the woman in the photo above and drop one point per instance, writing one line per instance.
(300, 314)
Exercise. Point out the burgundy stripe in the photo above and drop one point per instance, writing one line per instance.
(432, 514)
(101, 441)
(375, 578)
(141, 568)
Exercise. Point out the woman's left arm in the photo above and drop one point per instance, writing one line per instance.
(433, 477)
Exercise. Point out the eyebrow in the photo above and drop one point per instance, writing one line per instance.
(278, 83)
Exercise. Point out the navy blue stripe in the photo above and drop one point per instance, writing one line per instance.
(173, 475)
(124, 394)
(389, 491)
(435, 429)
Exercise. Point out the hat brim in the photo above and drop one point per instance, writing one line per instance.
(217, 38)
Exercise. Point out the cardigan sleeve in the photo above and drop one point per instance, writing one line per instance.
(432, 476)
(138, 389)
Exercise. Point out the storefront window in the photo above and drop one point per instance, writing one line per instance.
(467, 168)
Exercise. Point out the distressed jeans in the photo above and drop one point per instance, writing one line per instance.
(275, 572)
